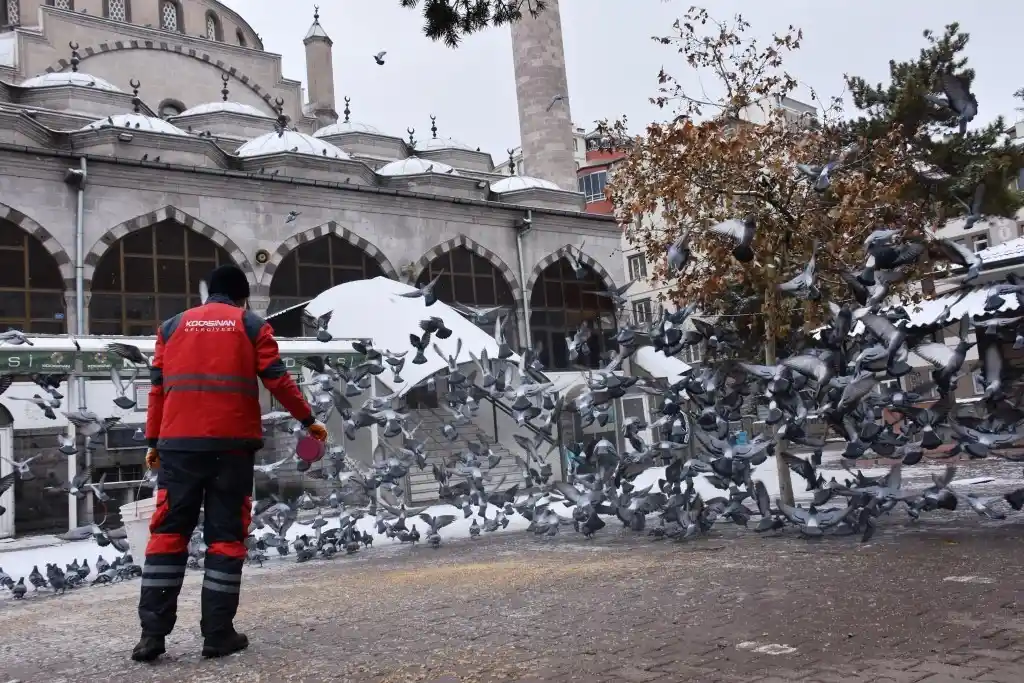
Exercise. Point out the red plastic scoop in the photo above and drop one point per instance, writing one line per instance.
(310, 449)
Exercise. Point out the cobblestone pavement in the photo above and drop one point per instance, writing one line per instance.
(936, 602)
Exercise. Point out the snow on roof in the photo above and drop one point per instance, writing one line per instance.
(415, 166)
(290, 141)
(1011, 249)
(973, 303)
(657, 364)
(373, 309)
(136, 122)
(346, 127)
(52, 80)
(232, 107)
(442, 143)
(520, 182)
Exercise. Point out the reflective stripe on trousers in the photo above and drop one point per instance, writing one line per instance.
(162, 575)
(222, 582)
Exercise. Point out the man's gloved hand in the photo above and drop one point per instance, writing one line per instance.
(152, 459)
(317, 431)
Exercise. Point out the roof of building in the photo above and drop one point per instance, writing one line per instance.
(290, 141)
(346, 127)
(135, 121)
(442, 143)
(59, 78)
(232, 107)
(1004, 251)
(521, 182)
(415, 166)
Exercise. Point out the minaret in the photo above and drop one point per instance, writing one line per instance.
(320, 72)
(545, 123)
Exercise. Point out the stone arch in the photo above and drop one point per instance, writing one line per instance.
(310, 234)
(110, 237)
(49, 242)
(583, 258)
(117, 45)
(476, 248)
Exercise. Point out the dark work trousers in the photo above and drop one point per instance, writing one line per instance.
(220, 483)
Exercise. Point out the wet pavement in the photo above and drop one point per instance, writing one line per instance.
(939, 601)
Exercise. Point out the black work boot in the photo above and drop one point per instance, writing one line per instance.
(224, 645)
(148, 649)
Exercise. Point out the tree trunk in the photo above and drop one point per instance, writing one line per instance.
(785, 480)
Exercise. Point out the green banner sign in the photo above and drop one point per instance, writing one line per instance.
(25, 361)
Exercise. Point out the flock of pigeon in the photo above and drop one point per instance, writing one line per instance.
(839, 378)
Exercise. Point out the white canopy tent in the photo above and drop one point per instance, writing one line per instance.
(373, 309)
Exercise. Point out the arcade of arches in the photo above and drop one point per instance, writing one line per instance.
(154, 273)
(311, 268)
(559, 303)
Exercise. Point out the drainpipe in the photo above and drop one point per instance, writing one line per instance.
(79, 331)
(522, 229)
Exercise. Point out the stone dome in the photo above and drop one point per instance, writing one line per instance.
(290, 141)
(232, 107)
(415, 166)
(346, 127)
(52, 80)
(522, 182)
(136, 122)
(442, 143)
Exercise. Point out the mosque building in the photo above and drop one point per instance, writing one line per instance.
(144, 142)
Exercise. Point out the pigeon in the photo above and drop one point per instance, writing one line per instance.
(379, 58)
(292, 215)
(554, 100)
(741, 233)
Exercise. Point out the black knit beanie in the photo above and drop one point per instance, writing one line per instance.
(229, 280)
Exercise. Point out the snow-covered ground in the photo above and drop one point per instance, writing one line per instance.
(18, 563)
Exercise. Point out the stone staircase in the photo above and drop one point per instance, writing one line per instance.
(421, 488)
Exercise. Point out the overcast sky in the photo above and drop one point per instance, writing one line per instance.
(612, 62)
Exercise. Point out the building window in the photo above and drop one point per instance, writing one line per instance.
(149, 276)
(312, 268)
(558, 304)
(637, 266)
(691, 354)
(575, 144)
(170, 16)
(31, 285)
(592, 186)
(977, 383)
(117, 10)
(12, 15)
(888, 386)
(471, 280)
(642, 311)
(980, 243)
(61, 4)
(213, 30)
(169, 108)
(241, 38)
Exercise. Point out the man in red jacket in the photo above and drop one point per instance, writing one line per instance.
(203, 426)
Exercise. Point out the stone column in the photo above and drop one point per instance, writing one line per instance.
(538, 57)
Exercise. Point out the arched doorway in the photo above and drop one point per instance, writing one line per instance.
(559, 302)
(312, 268)
(148, 276)
(471, 280)
(31, 285)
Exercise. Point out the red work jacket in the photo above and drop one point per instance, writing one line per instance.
(204, 394)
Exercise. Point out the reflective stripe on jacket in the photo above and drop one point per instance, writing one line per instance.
(205, 395)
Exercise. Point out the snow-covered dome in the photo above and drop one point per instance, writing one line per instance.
(52, 80)
(521, 182)
(346, 127)
(232, 107)
(135, 121)
(290, 141)
(415, 166)
(442, 143)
